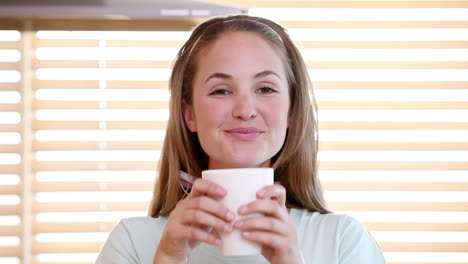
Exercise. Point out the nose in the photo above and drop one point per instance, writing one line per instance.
(244, 107)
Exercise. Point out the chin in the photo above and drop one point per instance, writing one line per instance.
(247, 163)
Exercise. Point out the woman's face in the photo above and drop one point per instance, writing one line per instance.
(240, 101)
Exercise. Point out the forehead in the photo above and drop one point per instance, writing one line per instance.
(239, 51)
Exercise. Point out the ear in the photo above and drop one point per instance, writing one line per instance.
(189, 116)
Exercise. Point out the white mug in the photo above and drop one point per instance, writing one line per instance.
(241, 185)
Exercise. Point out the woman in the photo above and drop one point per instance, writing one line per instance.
(240, 97)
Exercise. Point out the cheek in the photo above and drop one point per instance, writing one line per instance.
(210, 115)
(278, 119)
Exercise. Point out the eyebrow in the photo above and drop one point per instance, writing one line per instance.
(227, 76)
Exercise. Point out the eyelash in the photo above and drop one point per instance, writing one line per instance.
(220, 92)
(263, 90)
(269, 89)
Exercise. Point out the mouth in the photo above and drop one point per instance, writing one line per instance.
(244, 133)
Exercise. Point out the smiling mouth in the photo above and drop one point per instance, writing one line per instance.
(244, 134)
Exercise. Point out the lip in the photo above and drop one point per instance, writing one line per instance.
(244, 133)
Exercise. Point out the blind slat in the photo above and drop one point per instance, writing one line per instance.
(91, 207)
(115, 24)
(441, 227)
(9, 45)
(145, 43)
(393, 145)
(304, 44)
(327, 145)
(41, 104)
(330, 186)
(80, 84)
(10, 251)
(324, 165)
(343, 4)
(396, 186)
(109, 145)
(10, 169)
(399, 206)
(388, 64)
(93, 84)
(9, 66)
(424, 246)
(393, 105)
(67, 247)
(9, 230)
(72, 227)
(84, 165)
(39, 125)
(9, 127)
(312, 64)
(82, 43)
(389, 85)
(10, 189)
(9, 86)
(385, 44)
(374, 24)
(92, 186)
(358, 165)
(109, 64)
(10, 210)
(394, 126)
(47, 125)
(9, 107)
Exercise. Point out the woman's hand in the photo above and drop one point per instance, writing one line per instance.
(197, 218)
(275, 230)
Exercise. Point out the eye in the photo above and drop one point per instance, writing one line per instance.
(220, 92)
(266, 90)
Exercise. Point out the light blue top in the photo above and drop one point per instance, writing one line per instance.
(323, 239)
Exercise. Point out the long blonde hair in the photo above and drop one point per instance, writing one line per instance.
(295, 164)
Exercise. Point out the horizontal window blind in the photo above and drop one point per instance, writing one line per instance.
(10, 146)
(392, 89)
(101, 109)
(391, 84)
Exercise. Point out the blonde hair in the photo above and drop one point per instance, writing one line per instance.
(295, 164)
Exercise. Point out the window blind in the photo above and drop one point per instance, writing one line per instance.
(10, 145)
(101, 102)
(392, 93)
(392, 88)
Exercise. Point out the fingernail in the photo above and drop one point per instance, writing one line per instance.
(239, 224)
(218, 242)
(230, 216)
(243, 209)
(227, 228)
(262, 192)
(219, 190)
(246, 234)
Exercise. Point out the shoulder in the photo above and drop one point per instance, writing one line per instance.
(336, 225)
(133, 240)
(142, 222)
(335, 238)
(331, 221)
(142, 228)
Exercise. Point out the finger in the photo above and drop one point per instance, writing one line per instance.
(211, 206)
(274, 192)
(205, 187)
(266, 224)
(266, 207)
(196, 233)
(267, 239)
(205, 220)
